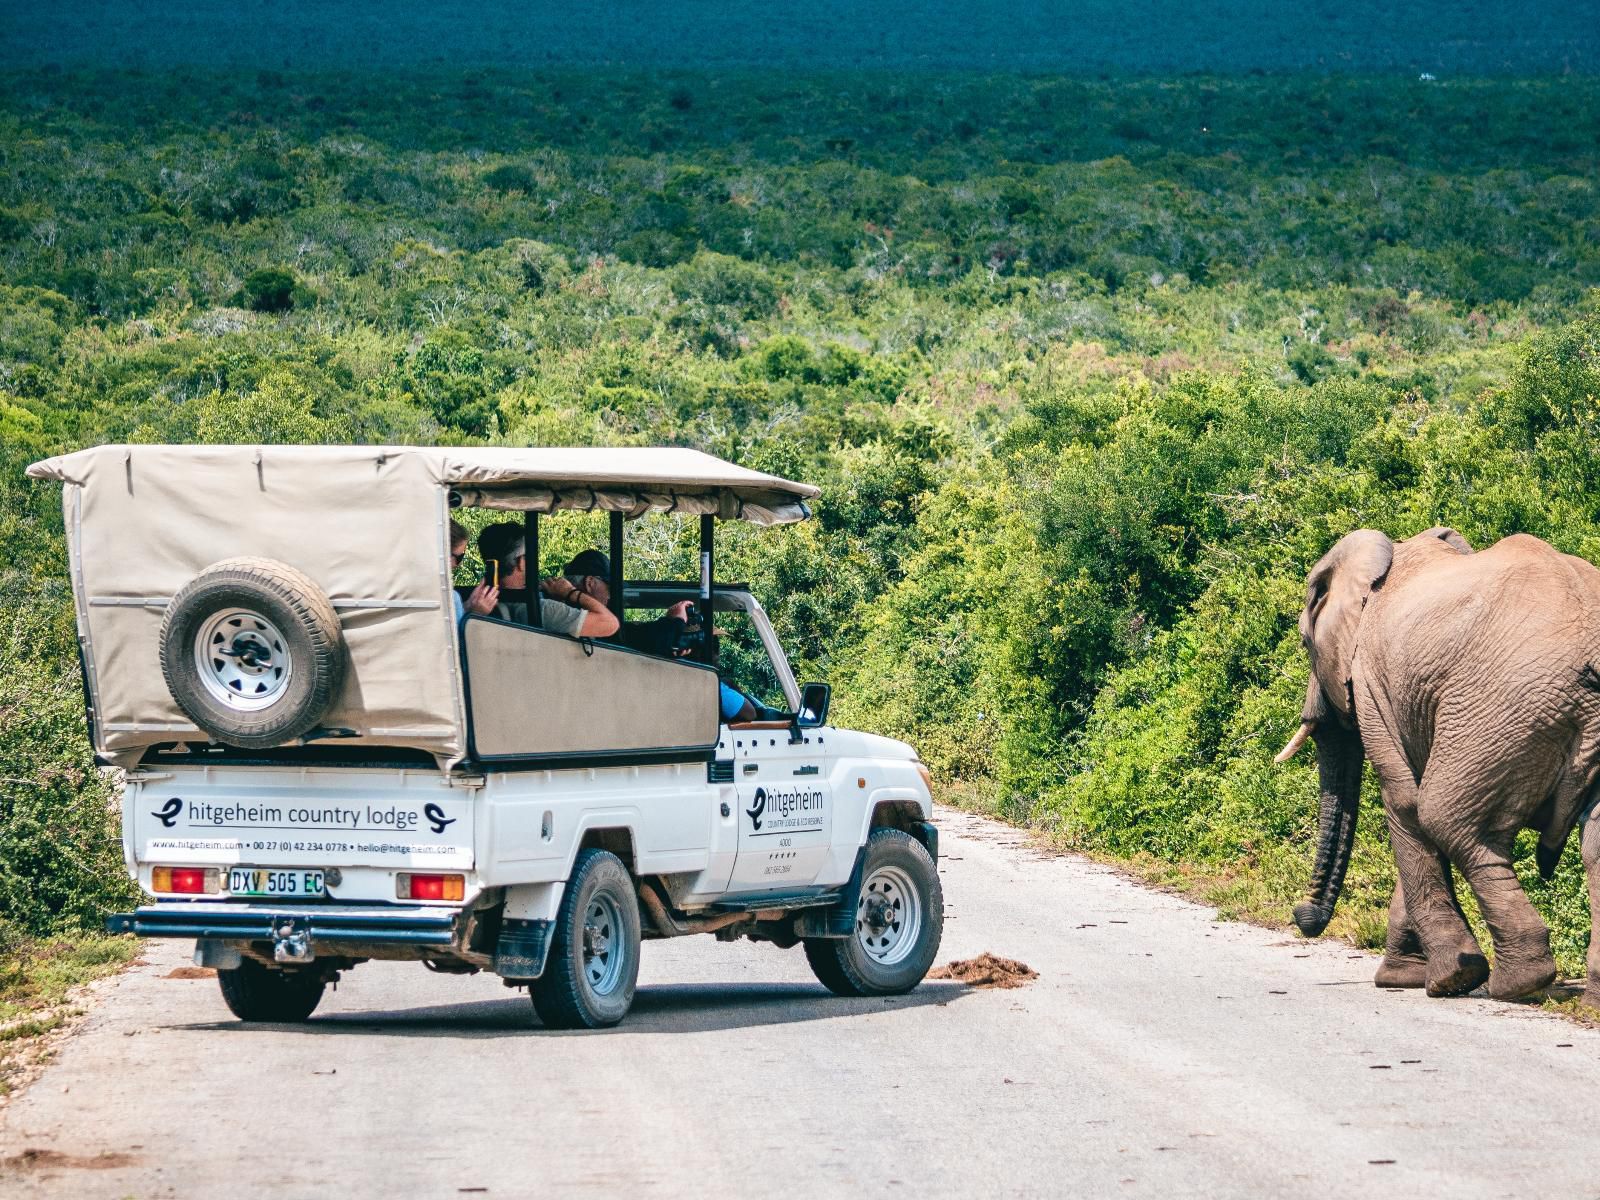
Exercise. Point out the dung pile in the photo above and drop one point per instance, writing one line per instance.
(986, 971)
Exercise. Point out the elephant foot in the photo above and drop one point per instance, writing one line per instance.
(1591, 995)
(1513, 980)
(1469, 969)
(1402, 971)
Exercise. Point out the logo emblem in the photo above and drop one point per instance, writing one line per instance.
(755, 810)
(167, 814)
(436, 817)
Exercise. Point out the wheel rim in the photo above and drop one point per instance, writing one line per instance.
(888, 916)
(605, 949)
(242, 659)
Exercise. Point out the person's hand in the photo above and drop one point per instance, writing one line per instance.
(482, 599)
(680, 610)
(560, 588)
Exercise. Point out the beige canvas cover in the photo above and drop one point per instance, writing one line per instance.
(537, 693)
(367, 523)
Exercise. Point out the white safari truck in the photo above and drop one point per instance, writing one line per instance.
(325, 764)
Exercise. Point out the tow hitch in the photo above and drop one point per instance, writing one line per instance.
(291, 942)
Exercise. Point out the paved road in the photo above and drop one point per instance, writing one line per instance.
(1158, 1054)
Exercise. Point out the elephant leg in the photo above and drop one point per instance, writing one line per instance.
(1455, 962)
(1405, 963)
(1429, 943)
(1590, 837)
(1523, 963)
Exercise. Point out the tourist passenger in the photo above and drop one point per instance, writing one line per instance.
(481, 599)
(573, 603)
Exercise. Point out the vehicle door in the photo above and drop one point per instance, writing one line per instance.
(780, 774)
(785, 807)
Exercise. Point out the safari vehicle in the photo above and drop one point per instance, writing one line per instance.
(324, 766)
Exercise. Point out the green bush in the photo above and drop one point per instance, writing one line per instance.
(270, 289)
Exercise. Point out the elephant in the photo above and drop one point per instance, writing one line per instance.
(1471, 683)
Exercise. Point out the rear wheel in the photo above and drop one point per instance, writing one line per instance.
(593, 969)
(899, 922)
(255, 992)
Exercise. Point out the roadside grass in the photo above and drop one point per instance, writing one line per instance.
(1573, 1008)
(1258, 891)
(36, 981)
(1263, 892)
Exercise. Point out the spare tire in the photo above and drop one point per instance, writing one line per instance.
(252, 652)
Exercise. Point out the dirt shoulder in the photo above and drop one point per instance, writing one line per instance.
(47, 987)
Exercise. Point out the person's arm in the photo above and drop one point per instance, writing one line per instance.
(598, 620)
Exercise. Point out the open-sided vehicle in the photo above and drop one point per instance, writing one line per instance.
(323, 765)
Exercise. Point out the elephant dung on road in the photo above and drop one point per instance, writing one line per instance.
(1471, 682)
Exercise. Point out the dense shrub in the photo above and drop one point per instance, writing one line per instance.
(270, 289)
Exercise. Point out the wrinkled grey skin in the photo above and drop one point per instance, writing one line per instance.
(1471, 682)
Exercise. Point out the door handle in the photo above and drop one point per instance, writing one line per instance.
(807, 770)
(751, 768)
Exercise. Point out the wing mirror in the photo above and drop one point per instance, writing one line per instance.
(814, 701)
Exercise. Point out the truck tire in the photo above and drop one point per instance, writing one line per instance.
(254, 992)
(252, 652)
(899, 921)
(593, 969)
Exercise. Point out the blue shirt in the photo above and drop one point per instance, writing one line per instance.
(733, 700)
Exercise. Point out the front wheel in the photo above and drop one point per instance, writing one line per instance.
(899, 921)
(255, 992)
(589, 980)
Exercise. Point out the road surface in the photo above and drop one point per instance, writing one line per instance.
(1159, 1053)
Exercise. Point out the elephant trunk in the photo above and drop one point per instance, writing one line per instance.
(1339, 762)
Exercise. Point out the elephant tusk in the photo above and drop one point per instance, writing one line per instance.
(1297, 741)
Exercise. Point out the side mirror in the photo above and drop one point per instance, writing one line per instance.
(814, 701)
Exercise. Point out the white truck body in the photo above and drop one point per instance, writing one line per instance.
(324, 763)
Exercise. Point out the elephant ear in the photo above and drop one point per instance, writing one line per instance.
(1449, 537)
(1336, 591)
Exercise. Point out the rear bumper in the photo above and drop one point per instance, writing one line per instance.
(370, 925)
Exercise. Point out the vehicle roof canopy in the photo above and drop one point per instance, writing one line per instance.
(629, 479)
(368, 525)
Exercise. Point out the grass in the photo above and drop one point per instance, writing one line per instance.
(36, 979)
(36, 976)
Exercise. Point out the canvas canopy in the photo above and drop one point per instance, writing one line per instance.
(368, 525)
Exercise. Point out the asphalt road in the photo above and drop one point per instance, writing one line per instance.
(1159, 1053)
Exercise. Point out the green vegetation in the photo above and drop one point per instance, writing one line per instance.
(1090, 371)
(35, 979)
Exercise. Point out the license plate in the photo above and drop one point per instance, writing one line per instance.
(276, 881)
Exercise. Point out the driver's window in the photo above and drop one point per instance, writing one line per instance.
(744, 662)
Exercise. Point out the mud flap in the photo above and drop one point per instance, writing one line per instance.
(837, 920)
(522, 948)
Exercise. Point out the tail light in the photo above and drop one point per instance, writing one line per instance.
(430, 887)
(186, 881)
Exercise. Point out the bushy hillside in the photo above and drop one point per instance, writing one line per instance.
(1090, 372)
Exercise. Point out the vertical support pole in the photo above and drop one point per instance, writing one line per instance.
(708, 536)
(615, 581)
(530, 547)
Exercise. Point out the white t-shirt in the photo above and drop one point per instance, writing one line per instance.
(557, 617)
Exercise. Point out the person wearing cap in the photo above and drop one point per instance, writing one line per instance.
(573, 603)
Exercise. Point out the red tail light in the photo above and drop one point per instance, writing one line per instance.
(430, 887)
(185, 881)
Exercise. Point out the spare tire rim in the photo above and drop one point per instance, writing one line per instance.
(888, 916)
(242, 659)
